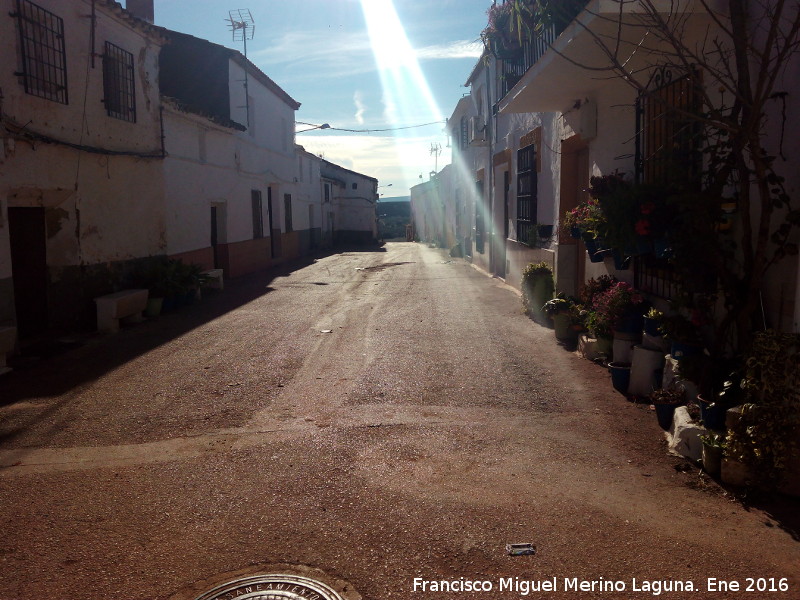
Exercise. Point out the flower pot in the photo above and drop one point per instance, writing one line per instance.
(681, 350)
(662, 248)
(712, 460)
(154, 306)
(594, 250)
(604, 346)
(650, 326)
(620, 376)
(643, 245)
(621, 262)
(623, 345)
(562, 325)
(170, 303)
(665, 413)
(630, 324)
(575, 232)
(545, 231)
(712, 413)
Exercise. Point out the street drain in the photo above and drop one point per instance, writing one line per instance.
(272, 587)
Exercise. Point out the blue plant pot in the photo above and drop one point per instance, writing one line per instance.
(713, 416)
(643, 245)
(681, 350)
(575, 232)
(620, 376)
(621, 262)
(629, 324)
(662, 248)
(651, 327)
(665, 414)
(594, 250)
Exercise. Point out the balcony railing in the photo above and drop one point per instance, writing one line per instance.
(511, 69)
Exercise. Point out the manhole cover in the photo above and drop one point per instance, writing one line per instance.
(272, 587)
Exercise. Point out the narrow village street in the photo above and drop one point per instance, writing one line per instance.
(365, 419)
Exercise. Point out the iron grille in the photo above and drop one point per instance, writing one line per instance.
(287, 212)
(526, 194)
(480, 208)
(44, 63)
(258, 220)
(667, 151)
(667, 133)
(118, 83)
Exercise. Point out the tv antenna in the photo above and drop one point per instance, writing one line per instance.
(436, 150)
(243, 27)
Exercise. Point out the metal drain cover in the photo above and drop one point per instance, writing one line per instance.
(272, 587)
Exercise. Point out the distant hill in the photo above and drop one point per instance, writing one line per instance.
(395, 199)
(393, 216)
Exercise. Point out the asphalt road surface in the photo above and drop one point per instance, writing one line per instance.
(369, 419)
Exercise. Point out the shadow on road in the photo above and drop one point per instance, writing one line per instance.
(53, 366)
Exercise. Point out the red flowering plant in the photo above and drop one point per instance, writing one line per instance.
(586, 218)
(635, 214)
(619, 303)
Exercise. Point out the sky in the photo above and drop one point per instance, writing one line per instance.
(359, 65)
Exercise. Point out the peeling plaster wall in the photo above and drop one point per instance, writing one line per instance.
(68, 121)
(103, 211)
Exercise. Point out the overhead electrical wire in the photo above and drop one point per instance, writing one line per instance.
(376, 130)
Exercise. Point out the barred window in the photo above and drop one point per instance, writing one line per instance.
(287, 212)
(526, 194)
(480, 208)
(258, 219)
(44, 62)
(118, 83)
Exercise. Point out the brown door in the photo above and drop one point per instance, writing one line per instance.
(574, 183)
(29, 268)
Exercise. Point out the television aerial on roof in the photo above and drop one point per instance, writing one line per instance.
(243, 28)
(242, 25)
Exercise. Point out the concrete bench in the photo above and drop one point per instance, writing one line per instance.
(8, 339)
(214, 277)
(127, 304)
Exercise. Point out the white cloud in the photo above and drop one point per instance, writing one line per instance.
(361, 108)
(457, 49)
(311, 54)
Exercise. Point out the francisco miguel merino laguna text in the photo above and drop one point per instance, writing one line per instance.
(568, 584)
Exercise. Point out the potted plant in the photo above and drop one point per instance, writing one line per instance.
(562, 311)
(635, 215)
(764, 437)
(622, 306)
(682, 335)
(537, 288)
(652, 322)
(503, 33)
(666, 400)
(586, 221)
(713, 450)
(620, 376)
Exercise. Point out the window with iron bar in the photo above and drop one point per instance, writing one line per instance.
(44, 62)
(527, 182)
(258, 219)
(118, 83)
(667, 150)
(287, 208)
(479, 217)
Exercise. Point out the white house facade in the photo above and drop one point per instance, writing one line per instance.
(80, 156)
(231, 169)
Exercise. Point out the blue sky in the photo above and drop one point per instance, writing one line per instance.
(407, 68)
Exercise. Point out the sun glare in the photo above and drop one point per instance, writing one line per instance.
(407, 96)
